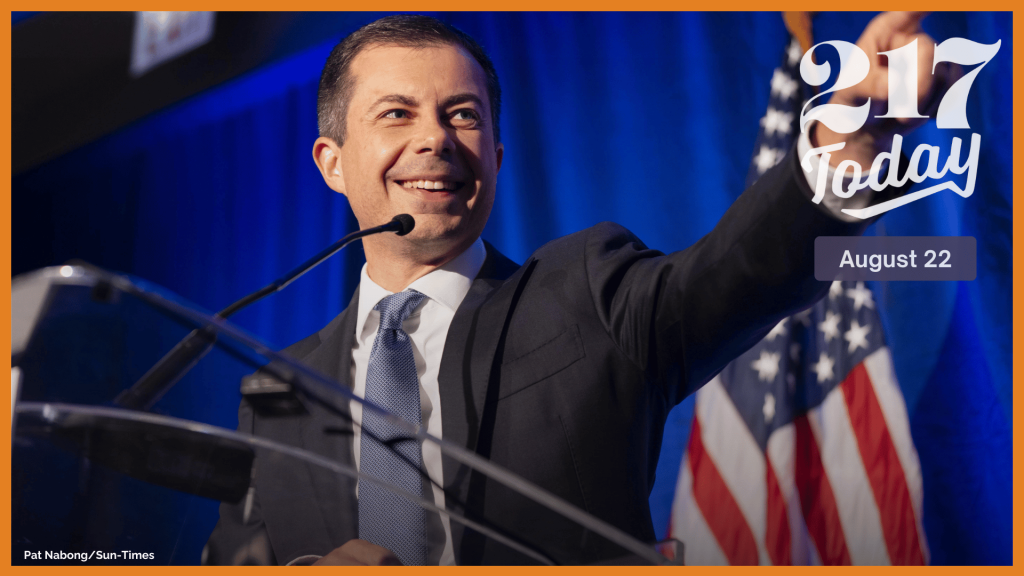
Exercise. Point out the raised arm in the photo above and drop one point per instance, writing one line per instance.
(682, 317)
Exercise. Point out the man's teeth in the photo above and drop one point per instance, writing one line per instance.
(430, 184)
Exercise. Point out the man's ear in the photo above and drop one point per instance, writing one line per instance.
(499, 152)
(327, 155)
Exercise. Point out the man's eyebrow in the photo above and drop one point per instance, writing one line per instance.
(461, 99)
(395, 99)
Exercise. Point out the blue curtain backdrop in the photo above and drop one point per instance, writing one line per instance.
(643, 119)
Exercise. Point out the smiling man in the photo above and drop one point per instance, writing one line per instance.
(419, 139)
(561, 370)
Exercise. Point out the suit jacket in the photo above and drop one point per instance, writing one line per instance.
(563, 371)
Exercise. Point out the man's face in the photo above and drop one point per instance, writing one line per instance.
(419, 141)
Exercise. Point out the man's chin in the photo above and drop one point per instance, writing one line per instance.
(435, 227)
(438, 234)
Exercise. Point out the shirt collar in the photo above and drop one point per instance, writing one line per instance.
(447, 285)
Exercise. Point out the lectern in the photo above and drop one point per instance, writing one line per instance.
(95, 482)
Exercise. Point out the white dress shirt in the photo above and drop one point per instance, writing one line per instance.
(427, 328)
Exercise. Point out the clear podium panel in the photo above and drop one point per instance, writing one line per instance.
(67, 509)
(129, 447)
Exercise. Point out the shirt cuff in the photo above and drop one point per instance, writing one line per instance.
(834, 204)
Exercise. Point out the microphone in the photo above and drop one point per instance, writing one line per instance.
(401, 225)
(166, 372)
(405, 223)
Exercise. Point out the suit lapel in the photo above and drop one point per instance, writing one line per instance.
(466, 368)
(333, 357)
(469, 351)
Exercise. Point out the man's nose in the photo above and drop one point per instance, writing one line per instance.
(434, 138)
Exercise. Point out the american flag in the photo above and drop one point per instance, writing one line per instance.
(800, 450)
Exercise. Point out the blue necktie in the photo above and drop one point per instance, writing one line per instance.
(385, 518)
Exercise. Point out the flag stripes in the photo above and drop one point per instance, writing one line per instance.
(781, 453)
(890, 400)
(737, 457)
(701, 547)
(817, 499)
(884, 471)
(718, 506)
(777, 537)
(858, 512)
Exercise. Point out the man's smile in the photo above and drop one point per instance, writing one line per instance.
(425, 184)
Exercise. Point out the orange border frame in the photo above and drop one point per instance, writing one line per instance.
(522, 5)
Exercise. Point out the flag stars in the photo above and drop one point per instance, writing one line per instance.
(769, 407)
(835, 290)
(830, 327)
(823, 368)
(766, 158)
(857, 336)
(783, 85)
(767, 366)
(778, 330)
(776, 121)
(861, 296)
(794, 53)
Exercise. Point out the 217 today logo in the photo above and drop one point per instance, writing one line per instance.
(902, 104)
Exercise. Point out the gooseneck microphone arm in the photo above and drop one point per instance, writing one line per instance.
(401, 225)
(165, 373)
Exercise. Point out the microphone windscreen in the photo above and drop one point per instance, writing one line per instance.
(407, 224)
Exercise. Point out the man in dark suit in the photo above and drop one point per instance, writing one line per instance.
(561, 370)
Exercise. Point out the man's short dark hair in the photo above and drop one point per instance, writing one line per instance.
(409, 31)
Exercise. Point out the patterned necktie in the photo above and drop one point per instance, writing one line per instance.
(385, 518)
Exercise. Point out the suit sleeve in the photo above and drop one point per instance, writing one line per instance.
(237, 539)
(682, 317)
